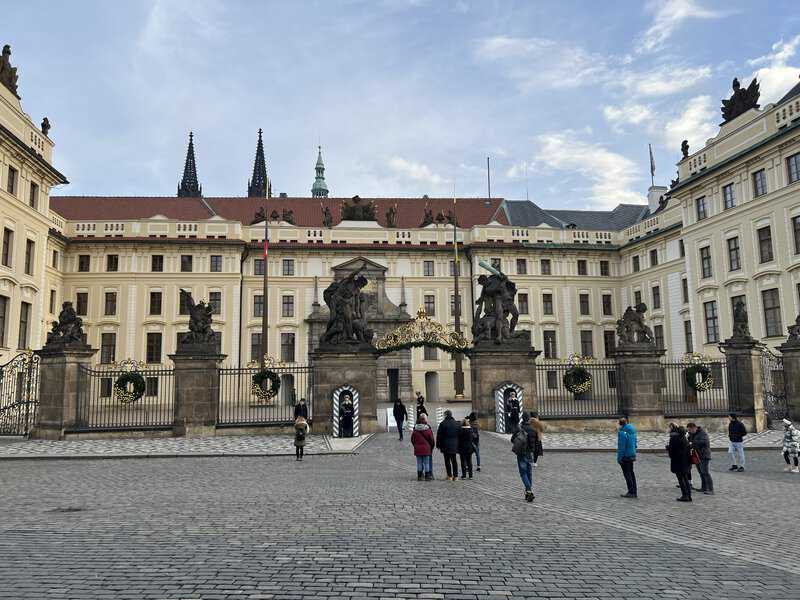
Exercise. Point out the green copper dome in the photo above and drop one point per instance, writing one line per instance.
(320, 188)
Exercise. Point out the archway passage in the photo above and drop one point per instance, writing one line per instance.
(420, 332)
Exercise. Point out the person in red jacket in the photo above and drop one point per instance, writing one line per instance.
(423, 443)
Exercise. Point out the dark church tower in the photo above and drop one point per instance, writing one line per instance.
(258, 186)
(189, 187)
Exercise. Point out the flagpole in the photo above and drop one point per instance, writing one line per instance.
(458, 375)
(652, 167)
(265, 306)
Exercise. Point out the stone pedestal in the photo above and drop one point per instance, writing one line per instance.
(744, 379)
(59, 387)
(493, 365)
(791, 378)
(334, 369)
(640, 380)
(196, 393)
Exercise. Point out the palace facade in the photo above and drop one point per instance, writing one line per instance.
(727, 229)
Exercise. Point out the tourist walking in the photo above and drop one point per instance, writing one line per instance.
(447, 443)
(736, 433)
(465, 449)
(476, 439)
(512, 412)
(538, 426)
(700, 443)
(423, 443)
(301, 409)
(421, 410)
(400, 415)
(300, 432)
(523, 444)
(626, 455)
(791, 445)
(679, 464)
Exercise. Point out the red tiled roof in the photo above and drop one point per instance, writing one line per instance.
(307, 211)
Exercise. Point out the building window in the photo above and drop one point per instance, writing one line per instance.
(656, 297)
(654, 257)
(637, 297)
(258, 266)
(52, 303)
(764, 244)
(772, 312)
(452, 306)
(728, 196)
(687, 336)
(186, 263)
(608, 309)
(609, 343)
(552, 380)
(82, 303)
(83, 263)
(108, 348)
(287, 347)
(546, 266)
(453, 268)
(216, 263)
(522, 304)
(288, 266)
(635, 262)
(151, 386)
(582, 267)
(583, 302)
(157, 263)
(215, 302)
(54, 262)
(429, 302)
(587, 346)
(658, 334)
(547, 304)
(701, 208)
(793, 164)
(734, 255)
(155, 303)
(759, 183)
(427, 268)
(110, 305)
(24, 323)
(496, 264)
(681, 248)
(30, 253)
(33, 196)
(522, 266)
(11, 185)
(3, 319)
(685, 290)
(712, 322)
(287, 306)
(112, 262)
(255, 347)
(183, 302)
(153, 348)
(258, 305)
(705, 262)
(796, 231)
(429, 353)
(8, 246)
(605, 271)
(549, 339)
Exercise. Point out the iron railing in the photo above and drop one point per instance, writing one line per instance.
(100, 410)
(681, 400)
(238, 406)
(774, 385)
(556, 402)
(19, 394)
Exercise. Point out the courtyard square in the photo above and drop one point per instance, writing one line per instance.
(362, 526)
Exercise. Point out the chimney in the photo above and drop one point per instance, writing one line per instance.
(285, 195)
(654, 195)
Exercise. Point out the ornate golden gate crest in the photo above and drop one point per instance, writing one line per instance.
(422, 331)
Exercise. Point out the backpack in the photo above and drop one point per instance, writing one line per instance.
(519, 443)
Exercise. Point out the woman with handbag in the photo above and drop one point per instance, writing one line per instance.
(678, 450)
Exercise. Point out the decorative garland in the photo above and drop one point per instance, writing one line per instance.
(121, 391)
(696, 364)
(577, 378)
(257, 388)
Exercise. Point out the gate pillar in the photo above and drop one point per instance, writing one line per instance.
(196, 393)
(791, 372)
(641, 377)
(745, 387)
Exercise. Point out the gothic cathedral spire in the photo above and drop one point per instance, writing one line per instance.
(189, 187)
(258, 186)
(320, 188)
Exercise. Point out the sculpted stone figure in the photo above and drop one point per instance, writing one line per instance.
(391, 216)
(494, 307)
(357, 209)
(8, 74)
(685, 148)
(347, 304)
(327, 217)
(45, 126)
(741, 101)
(428, 218)
(631, 328)
(200, 331)
(68, 330)
(288, 216)
(794, 333)
(741, 328)
(259, 216)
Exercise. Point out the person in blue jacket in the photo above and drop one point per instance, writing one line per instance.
(626, 455)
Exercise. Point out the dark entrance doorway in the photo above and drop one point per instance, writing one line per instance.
(394, 384)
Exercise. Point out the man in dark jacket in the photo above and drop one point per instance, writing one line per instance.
(736, 433)
(699, 442)
(447, 443)
(421, 410)
(678, 450)
(524, 451)
(512, 412)
(400, 415)
(301, 409)
(626, 455)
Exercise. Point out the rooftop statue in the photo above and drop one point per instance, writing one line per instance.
(685, 148)
(327, 217)
(346, 302)
(741, 101)
(494, 307)
(288, 216)
(428, 218)
(45, 126)
(391, 216)
(357, 209)
(68, 330)
(631, 328)
(8, 74)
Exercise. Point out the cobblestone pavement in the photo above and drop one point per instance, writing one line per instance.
(361, 526)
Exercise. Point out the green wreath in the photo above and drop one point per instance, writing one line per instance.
(121, 391)
(706, 378)
(258, 385)
(577, 380)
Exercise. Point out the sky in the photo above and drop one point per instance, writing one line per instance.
(406, 97)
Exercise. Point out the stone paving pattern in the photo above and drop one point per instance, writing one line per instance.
(361, 526)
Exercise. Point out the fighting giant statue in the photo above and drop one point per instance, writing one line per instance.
(346, 302)
(496, 314)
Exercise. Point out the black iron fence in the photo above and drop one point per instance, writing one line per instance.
(239, 406)
(774, 387)
(682, 400)
(19, 394)
(557, 402)
(99, 408)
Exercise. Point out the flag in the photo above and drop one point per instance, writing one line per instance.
(265, 247)
(652, 162)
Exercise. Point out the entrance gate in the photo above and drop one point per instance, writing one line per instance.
(19, 394)
(775, 403)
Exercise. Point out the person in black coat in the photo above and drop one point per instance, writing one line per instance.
(512, 412)
(465, 448)
(301, 409)
(346, 415)
(679, 464)
(447, 443)
(421, 410)
(700, 443)
(400, 415)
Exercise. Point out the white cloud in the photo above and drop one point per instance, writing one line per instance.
(668, 17)
(663, 81)
(696, 124)
(776, 77)
(627, 114)
(518, 170)
(612, 175)
(415, 171)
